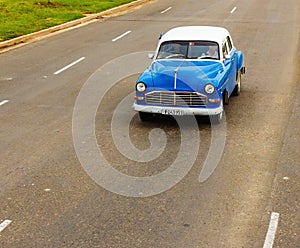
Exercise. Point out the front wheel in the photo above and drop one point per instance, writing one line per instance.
(218, 118)
(145, 116)
(225, 98)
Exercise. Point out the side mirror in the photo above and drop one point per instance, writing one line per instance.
(226, 59)
(150, 55)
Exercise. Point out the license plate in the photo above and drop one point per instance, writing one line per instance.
(172, 112)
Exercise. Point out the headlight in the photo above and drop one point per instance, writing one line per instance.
(209, 89)
(140, 87)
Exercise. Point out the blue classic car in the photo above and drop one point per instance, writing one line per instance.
(195, 70)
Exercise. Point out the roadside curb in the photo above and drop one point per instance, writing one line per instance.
(10, 44)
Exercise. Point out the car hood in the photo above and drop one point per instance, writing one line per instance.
(184, 75)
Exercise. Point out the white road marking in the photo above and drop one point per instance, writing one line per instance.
(68, 66)
(234, 9)
(164, 11)
(269, 240)
(4, 224)
(3, 102)
(121, 36)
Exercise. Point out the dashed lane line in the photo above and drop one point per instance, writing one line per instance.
(4, 224)
(68, 66)
(4, 102)
(166, 10)
(233, 10)
(121, 36)
(269, 240)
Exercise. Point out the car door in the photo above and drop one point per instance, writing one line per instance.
(232, 67)
(228, 68)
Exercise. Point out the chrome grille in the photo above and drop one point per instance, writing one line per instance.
(172, 98)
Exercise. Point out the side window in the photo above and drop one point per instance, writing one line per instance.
(229, 43)
(224, 49)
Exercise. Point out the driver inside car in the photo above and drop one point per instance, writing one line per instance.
(212, 52)
(176, 49)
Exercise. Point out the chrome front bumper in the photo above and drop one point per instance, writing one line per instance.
(185, 111)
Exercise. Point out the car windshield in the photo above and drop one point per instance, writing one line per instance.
(188, 50)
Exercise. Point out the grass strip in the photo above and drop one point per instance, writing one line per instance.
(20, 17)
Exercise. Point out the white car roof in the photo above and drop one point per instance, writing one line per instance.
(210, 33)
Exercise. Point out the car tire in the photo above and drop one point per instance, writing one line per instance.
(225, 98)
(145, 116)
(237, 88)
(217, 119)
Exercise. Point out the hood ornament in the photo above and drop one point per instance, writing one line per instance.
(175, 77)
(176, 73)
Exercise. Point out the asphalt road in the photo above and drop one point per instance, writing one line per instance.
(52, 202)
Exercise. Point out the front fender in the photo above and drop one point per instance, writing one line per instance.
(146, 77)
